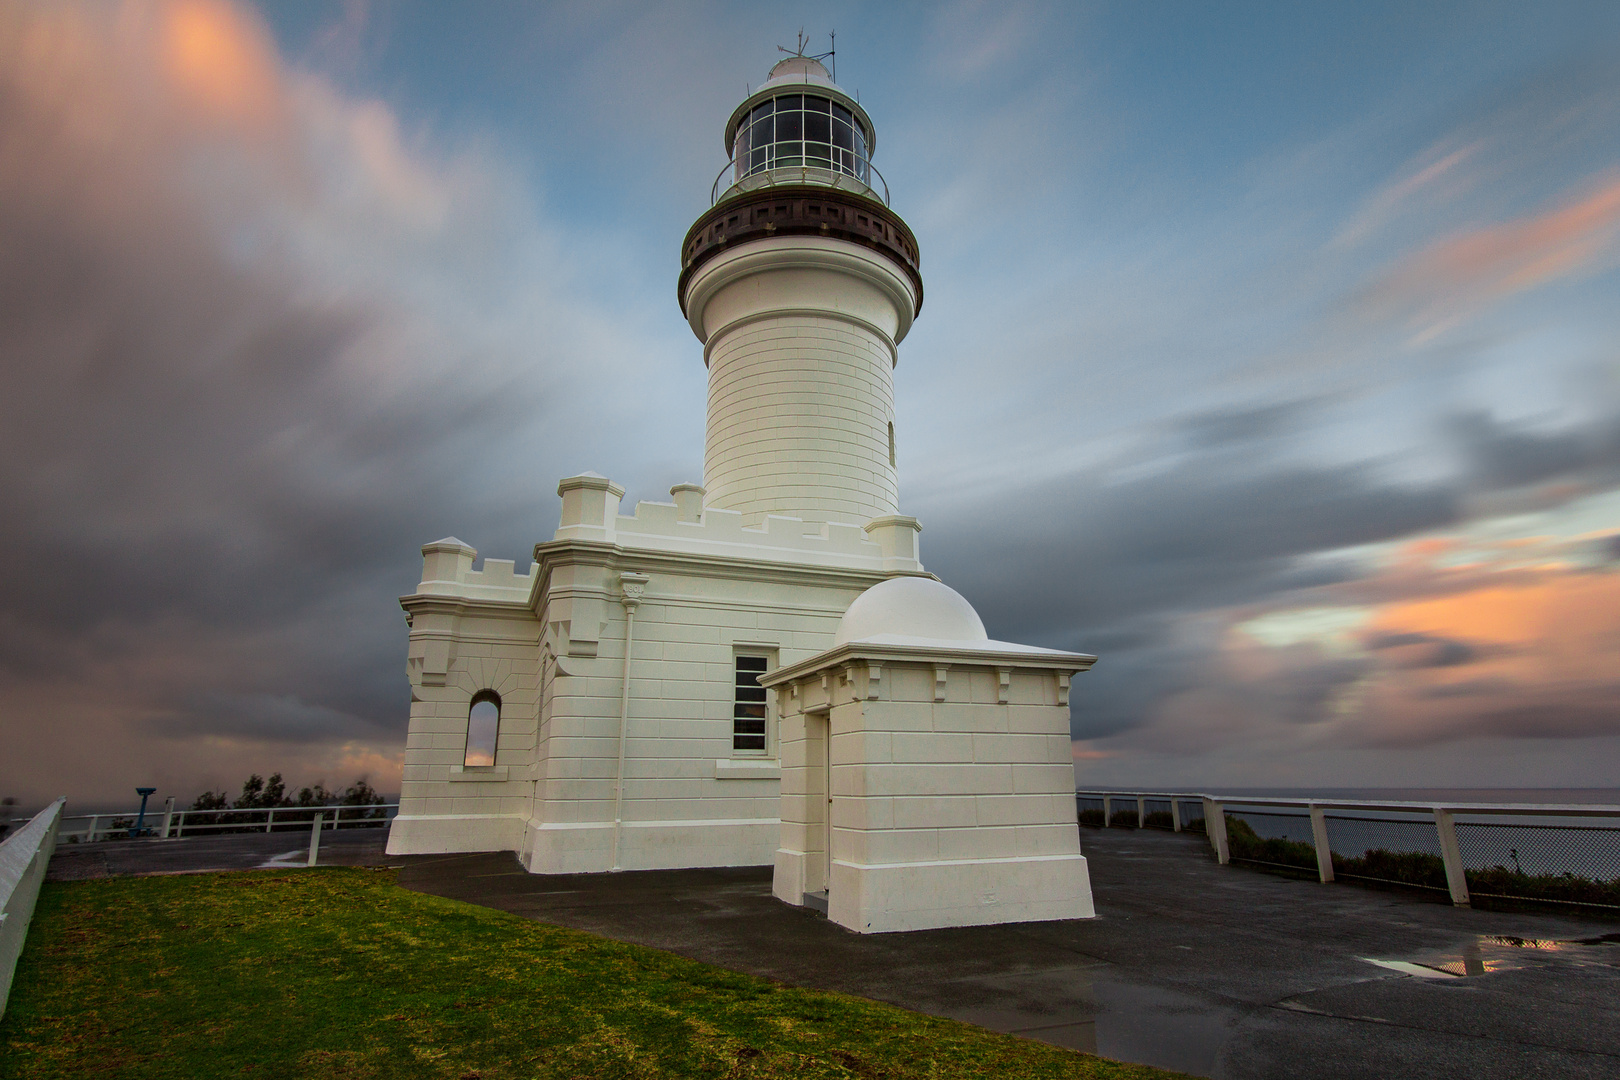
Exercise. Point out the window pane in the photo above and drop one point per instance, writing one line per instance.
(860, 143)
(816, 104)
(841, 113)
(842, 137)
(789, 127)
(817, 128)
(483, 725)
(763, 109)
(790, 102)
(760, 133)
(748, 704)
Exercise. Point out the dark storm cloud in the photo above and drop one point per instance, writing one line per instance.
(1422, 650)
(1498, 457)
(216, 456)
(1125, 569)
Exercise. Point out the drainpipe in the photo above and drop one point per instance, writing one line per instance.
(634, 585)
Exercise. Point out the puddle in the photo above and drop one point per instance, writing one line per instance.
(1493, 953)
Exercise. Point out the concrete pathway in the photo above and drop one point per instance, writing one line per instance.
(1217, 971)
(227, 851)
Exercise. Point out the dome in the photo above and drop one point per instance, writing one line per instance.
(799, 68)
(912, 607)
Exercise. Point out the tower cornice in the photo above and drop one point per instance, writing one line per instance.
(801, 252)
(799, 210)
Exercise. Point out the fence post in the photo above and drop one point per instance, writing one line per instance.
(314, 840)
(269, 820)
(1451, 854)
(90, 830)
(1175, 815)
(168, 815)
(1215, 826)
(1141, 812)
(1319, 836)
(1108, 811)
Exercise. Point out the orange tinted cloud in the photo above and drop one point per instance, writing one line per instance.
(1444, 282)
(221, 59)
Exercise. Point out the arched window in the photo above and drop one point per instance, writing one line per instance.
(483, 725)
(892, 462)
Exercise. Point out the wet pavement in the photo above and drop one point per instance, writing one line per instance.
(225, 851)
(1217, 971)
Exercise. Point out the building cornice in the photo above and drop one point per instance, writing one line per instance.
(955, 653)
(553, 553)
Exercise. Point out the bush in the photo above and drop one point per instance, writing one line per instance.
(1092, 817)
(1570, 888)
(1421, 869)
(1159, 819)
(1124, 819)
(1406, 867)
(271, 794)
(1242, 842)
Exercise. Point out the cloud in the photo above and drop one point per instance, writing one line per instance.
(1438, 287)
(259, 340)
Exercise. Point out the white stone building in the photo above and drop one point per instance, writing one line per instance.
(620, 678)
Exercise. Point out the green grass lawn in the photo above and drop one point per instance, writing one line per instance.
(338, 973)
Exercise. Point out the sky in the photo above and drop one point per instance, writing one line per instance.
(1270, 352)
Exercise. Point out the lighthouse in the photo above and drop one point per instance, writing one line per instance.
(801, 282)
(759, 671)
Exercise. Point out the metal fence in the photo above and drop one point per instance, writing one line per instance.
(167, 823)
(1552, 854)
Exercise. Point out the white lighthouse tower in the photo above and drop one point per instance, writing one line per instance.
(801, 283)
(694, 683)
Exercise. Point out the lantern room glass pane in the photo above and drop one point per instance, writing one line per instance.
(802, 130)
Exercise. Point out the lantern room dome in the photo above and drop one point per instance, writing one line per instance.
(911, 607)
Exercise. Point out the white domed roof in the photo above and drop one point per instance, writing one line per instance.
(911, 607)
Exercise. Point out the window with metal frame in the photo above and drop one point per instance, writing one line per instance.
(801, 130)
(748, 705)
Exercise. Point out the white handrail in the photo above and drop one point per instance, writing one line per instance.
(1442, 813)
(175, 824)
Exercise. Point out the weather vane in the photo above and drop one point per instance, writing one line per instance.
(831, 53)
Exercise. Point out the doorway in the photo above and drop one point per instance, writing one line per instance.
(818, 758)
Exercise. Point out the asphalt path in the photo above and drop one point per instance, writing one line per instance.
(221, 851)
(1217, 971)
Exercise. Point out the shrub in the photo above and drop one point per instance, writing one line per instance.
(1242, 842)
